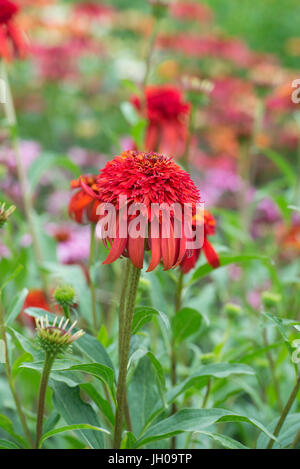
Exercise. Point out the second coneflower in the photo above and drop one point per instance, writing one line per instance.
(191, 257)
(83, 207)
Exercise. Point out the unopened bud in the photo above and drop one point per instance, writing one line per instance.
(270, 299)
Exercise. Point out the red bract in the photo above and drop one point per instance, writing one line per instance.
(83, 207)
(12, 38)
(167, 114)
(191, 257)
(144, 178)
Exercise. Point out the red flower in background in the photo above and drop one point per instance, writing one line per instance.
(191, 11)
(191, 257)
(12, 37)
(83, 207)
(34, 299)
(144, 178)
(167, 114)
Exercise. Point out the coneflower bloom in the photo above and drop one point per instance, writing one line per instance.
(83, 207)
(56, 338)
(191, 257)
(167, 114)
(137, 185)
(12, 37)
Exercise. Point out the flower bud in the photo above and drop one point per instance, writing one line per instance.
(55, 339)
(232, 309)
(270, 299)
(159, 7)
(65, 296)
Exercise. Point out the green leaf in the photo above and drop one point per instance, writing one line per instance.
(279, 324)
(7, 425)
(142, 315)
(67, 428)
(101, 372)
(205, 269)
(185, 323)
(143, 394)
(282, 164)
(16, 307)
(47, 161)
(6, 444)
(216, 370)
(224, 440)
(103, 405)
(193, 420)
(74, 411)
(287, 433)
(11, 277)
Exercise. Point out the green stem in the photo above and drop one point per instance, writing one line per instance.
(178, 301)
(92, 285)
(9, 377)
(22, 177)
(133, 281)
(150, 53)
(285, 412)
(49, 359)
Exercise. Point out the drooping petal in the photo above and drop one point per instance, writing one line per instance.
(210, 254)
(156, 254)
(135, 249)
(118, 246)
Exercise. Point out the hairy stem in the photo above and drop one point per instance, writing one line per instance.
(133, 281)
(178, 301)
(42, 396)
(92, 284)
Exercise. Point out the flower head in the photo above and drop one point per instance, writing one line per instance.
(191, 257)
(65, 296)
(167, 115)
(12, 38)
(83, 207)
(55, 338)
(137, 185)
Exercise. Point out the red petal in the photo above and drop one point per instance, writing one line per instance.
(136, 251)
(155, 254)
(168, 250)
(116, 250)
(210, 254)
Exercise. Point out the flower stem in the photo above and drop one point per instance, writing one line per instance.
(92, 284)
(178, 301)
(49, 359)
(22, 177)
(285, 411)
(124, 341)
(9, 377)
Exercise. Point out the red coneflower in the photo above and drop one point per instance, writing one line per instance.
(167, 115)
(133, 182)
(12, 37)
(34, 299)
(191, 257)
(83, 207)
